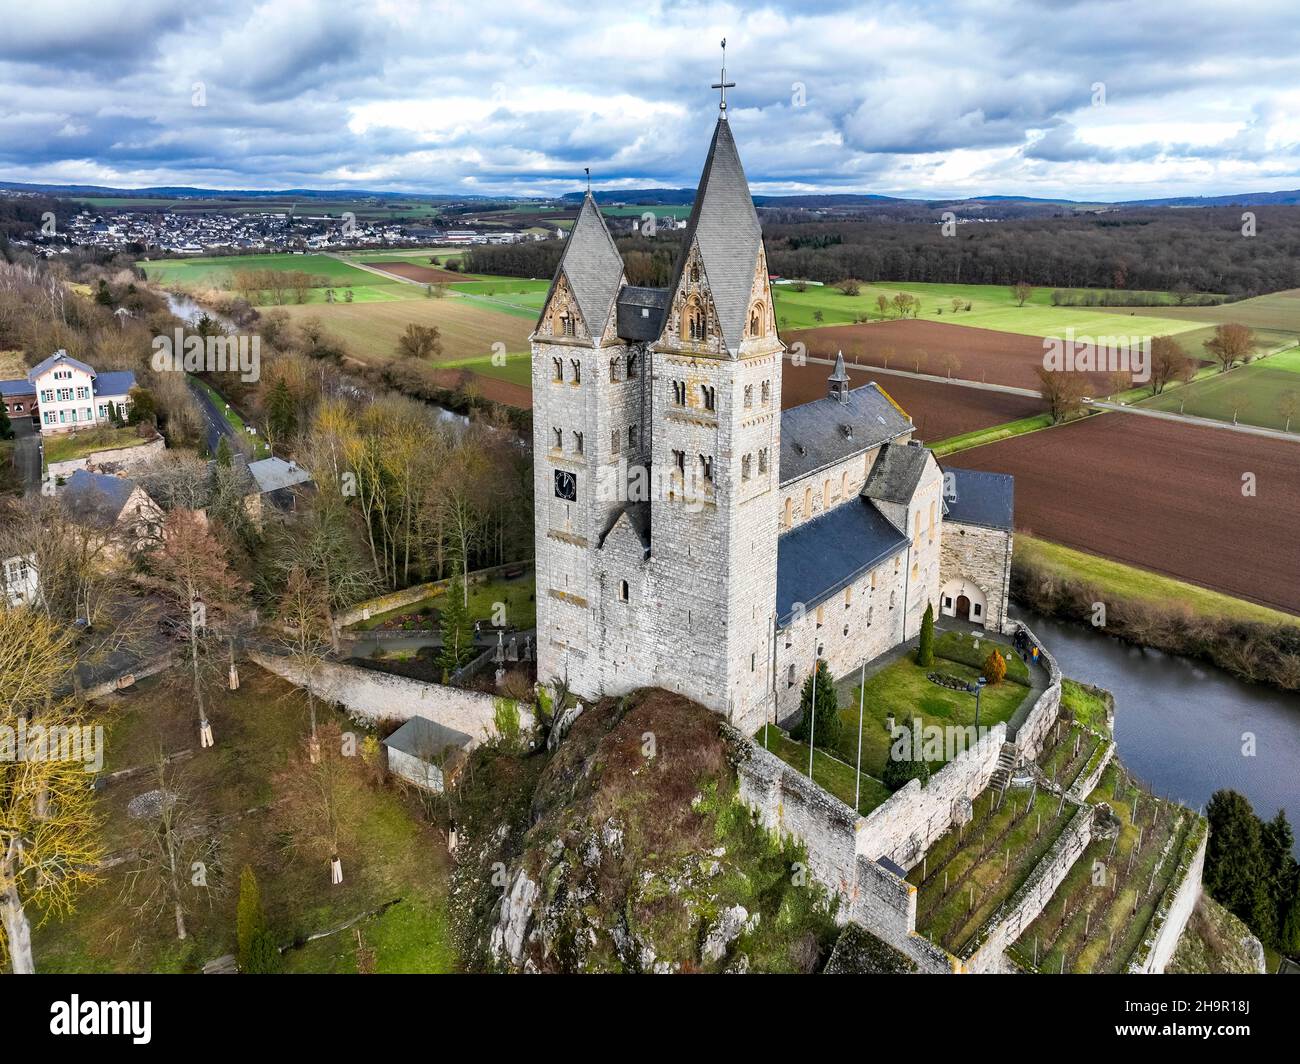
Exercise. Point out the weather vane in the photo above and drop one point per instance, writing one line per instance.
(723, 84)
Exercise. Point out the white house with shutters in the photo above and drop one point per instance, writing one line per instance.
(71, 396)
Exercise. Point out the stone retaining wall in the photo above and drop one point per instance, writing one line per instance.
(1028, 732)
(1084, 785)
(371, 695)
(122, 458)
(1176, 905)
(394, 600)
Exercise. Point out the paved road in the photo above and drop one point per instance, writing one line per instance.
(1141, 411)
(216, 425)
(27, 453)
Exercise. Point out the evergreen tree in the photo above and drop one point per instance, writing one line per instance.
(223, 453)
(281, 411)
(1234, 859)
(925, 646)
(828, 727)
(457, 629)
(910, 764)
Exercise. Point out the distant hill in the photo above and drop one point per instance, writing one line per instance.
(188, 192)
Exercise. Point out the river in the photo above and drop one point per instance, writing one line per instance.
(1181, 726)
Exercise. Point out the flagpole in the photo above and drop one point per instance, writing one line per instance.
(862, 695)
(812, 728)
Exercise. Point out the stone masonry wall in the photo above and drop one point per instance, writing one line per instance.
(984, 954)
(1029, 731)
(1171, 916)
(980, 556)
(121, 458)
(371, 695)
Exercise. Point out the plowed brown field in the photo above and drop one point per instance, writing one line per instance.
(413, 272)
(937, 410)
(982, 354)
(1162, 496)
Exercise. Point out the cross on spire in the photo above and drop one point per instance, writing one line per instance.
(722, 84)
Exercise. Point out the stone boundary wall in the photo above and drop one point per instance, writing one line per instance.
(124, 457)
(1175, 908)
(907, 824)
(885, 904)
(985, 953)
(1029, 732)
(1084, 785)
(362, 611)
(370, 696)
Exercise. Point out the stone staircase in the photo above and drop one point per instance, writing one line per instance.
(1001, 777)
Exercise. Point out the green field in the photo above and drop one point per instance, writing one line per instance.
(992, 307)
(1253, 394)
(518, 369)
(218, 272)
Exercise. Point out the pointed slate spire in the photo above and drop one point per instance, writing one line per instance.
(724, 224)
(839, 380)
(593, 267)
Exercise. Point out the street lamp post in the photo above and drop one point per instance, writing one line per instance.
(975, 689)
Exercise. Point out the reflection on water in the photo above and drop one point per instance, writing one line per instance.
(1181, 726)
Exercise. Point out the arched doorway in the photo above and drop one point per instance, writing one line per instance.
(962, 608)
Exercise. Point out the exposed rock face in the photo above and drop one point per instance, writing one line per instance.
(637, 857)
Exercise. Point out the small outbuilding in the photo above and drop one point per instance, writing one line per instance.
(426, 753)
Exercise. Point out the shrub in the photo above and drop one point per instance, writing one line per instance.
(995, 667)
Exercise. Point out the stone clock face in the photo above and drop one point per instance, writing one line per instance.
(566, 485)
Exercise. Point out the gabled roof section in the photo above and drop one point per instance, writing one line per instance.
(973, 497)
(636, 516)
(896, 473)
(822, 556)
(96, 498)
(59, 357)
(725, 227)
(114, 382)
(827, 431)
(593, 267)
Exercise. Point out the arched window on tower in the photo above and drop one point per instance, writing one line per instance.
(757, 320)
(693, 323)
(695, 273)
(623, 590)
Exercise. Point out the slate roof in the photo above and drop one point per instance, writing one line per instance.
(593, 267)
(18, 387)
(827, 431)
(96, 498)
(114, 382)
(426, 739)
(641, 312)
(58, 356)
(822, 556)
(725, 225)
(973, 497)
(896, 472)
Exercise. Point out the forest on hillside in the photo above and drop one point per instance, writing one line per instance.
(1163, 249)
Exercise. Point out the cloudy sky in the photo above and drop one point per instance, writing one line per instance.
(1095, 100)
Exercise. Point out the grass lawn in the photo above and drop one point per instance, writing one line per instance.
(1252, 394)
(973, 869)
(828, 772)
(518, 369)
(218, 271)
(974, 651)
(389, 852)
(69, 445)
(902, 689)
(1087, 706)
(1117, 580)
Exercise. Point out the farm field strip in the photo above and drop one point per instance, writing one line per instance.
(1162, 496)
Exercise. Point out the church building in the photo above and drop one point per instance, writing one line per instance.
(693, 535)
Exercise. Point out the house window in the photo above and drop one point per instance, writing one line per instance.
(557, 439)
(789, 676)
(744, 467)
(821, 616)
(706, 468)
(631, 366)
(49, 417)
(83, 393)
(679, 460)
(789, 512)
(631, 436)
(848, 597)
(870, 611)
(47, 396)
(679, 393)
(693, 326)
(756, 318)
(826, 494)
(767, 391)
(753, 662)
(567, 327)
(975, 609)
(622, 591)
(577, 442)
(762, 462)
(749, 396)
(807, 503)
(709, 395)
(557, 369)
(577, 370)
(613, 370)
